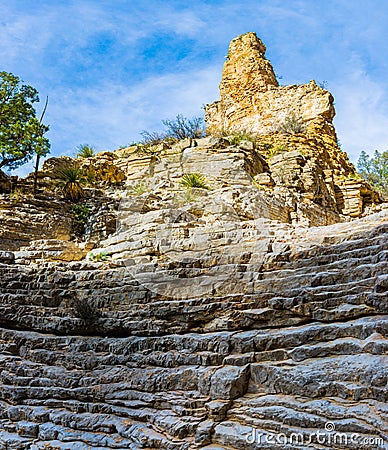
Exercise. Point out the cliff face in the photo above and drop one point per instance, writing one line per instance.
(294, 118)
(249, 313)
(299, 179)
(251, 99)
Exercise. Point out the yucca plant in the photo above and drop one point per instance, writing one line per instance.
(188, 196)
(71, 179)
(138, 188)
(194, 180)
(85, 151)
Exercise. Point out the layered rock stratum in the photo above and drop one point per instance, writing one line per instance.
(251, 314)
(252, 100)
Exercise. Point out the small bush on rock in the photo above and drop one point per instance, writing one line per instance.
(16, 196)
(179, 128)
(273, 151)
(183, 128)
(84, 309)
(236, 138)
(81, 214)
(151, 139)
(194, 180)
(98, 257)
(292, 125)
(138, 188)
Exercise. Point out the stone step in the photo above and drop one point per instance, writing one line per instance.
(378, 254)
(209, 348)
(325, 377)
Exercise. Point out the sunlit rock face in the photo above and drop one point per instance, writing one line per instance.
(252, 100)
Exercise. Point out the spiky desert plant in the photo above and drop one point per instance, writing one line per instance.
(85, 151)
(194, 180)
(71, 179)
(188, 196)
(138, 188)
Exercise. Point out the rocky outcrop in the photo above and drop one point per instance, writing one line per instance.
(5, 183)
(100, 170)
(287, 118)
(251, 99)
(249, 311)
(25, 218)
(291, 179)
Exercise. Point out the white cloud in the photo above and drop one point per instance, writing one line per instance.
(21, 35)
(362, 111)
(109, 116)
(185, 23)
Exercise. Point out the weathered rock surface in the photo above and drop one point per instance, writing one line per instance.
(97, 356)
(308, 183)
(28, 218)
(252, 314)
(5, 182)
(253, 103)
(101, 169)
(251, 99)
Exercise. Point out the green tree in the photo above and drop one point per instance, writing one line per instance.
(375, 169)
(21, 132)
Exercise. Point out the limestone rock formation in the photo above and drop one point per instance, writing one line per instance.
(27, 218)
(250, 313)
(100, 168)
(200, 352)
(251, 99)
(283, 118)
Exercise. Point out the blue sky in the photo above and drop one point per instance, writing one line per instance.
(113, 68)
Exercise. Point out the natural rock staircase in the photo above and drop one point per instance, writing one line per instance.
(252, 314)
(292, 342)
